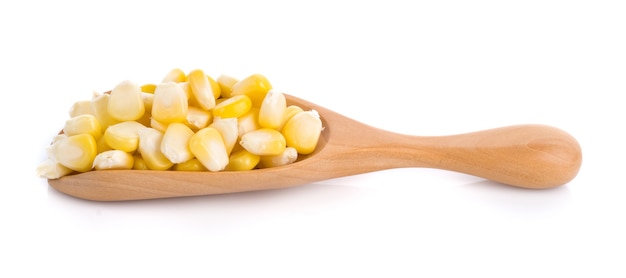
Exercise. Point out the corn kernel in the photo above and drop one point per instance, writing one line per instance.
(226, 84)
(76, 152)
(249, 121)
(190, 165)
(101, 145)
(51, 169)
(229, 131)
(123, 136)
(288, 156)
(233, 107)
(264, 141)
(150, 141)
(272, 109)
(242, 160)
(203, 89)
(100, 105)
(289, 112)
(148, 88)
(302, 131)
(175, 75)
(125, 103)
(83, 124)
(80, 108)
(139, 163)
(113, 159)
(175, 144)
(254, 86)
(198, 118)
(208, 147)
(169, 104)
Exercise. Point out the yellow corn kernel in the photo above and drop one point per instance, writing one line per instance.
(254, 86)
(289, 112)
(169, 104)
(113, 159)
(203, 88)
(264, 141)
(198, 118)
(272, 109)
(249, 121)
(229, 131)
(288, 156)
(76, 152)
(233, 107)
(190, 165)
(175, 75)
(83, 124)
(208, 147)
(139, 163)
(175, 144)
(150, 141)
(226, 84)
(242, 160)
(100, 105)
(148, 88)
(123, 136)
(302, 131)
(125, 103)
(51, 169)
(80, 108)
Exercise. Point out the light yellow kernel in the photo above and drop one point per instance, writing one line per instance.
(139, 163)
(76, 152)
(169, 104)
(125, 103)
(123, 136)
(229, 131)
(272, 109)
(254, 86)
(175, 75)
(150, 141)
(100, 106)
(51, 169)
(208, 147)
(249, 121)
(175, 144)
(302, 131)
(264, 141)
(203, 89)
(85, 123)
(198, 118)
(80, 108)
(289, 112)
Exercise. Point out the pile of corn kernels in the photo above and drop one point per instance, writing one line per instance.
(188, 122)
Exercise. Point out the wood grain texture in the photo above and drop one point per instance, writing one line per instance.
(529, 156)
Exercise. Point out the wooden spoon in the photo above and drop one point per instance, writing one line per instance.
(529, 156)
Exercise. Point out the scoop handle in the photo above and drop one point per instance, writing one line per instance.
(530, 156)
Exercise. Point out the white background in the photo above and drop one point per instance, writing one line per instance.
(424, 68)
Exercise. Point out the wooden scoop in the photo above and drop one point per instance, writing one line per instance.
(530, 156)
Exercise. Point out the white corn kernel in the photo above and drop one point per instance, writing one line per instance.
(113, 159)
(150, 141)
(51, 169)
(125, 103)
(175, 144)
(272, 109)
(80, 108)
(288, 156)
(85, 123)
(169, 104)
(228, 129)
(207, 145)
(302, 131)
(76, 152)
(264, 141)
